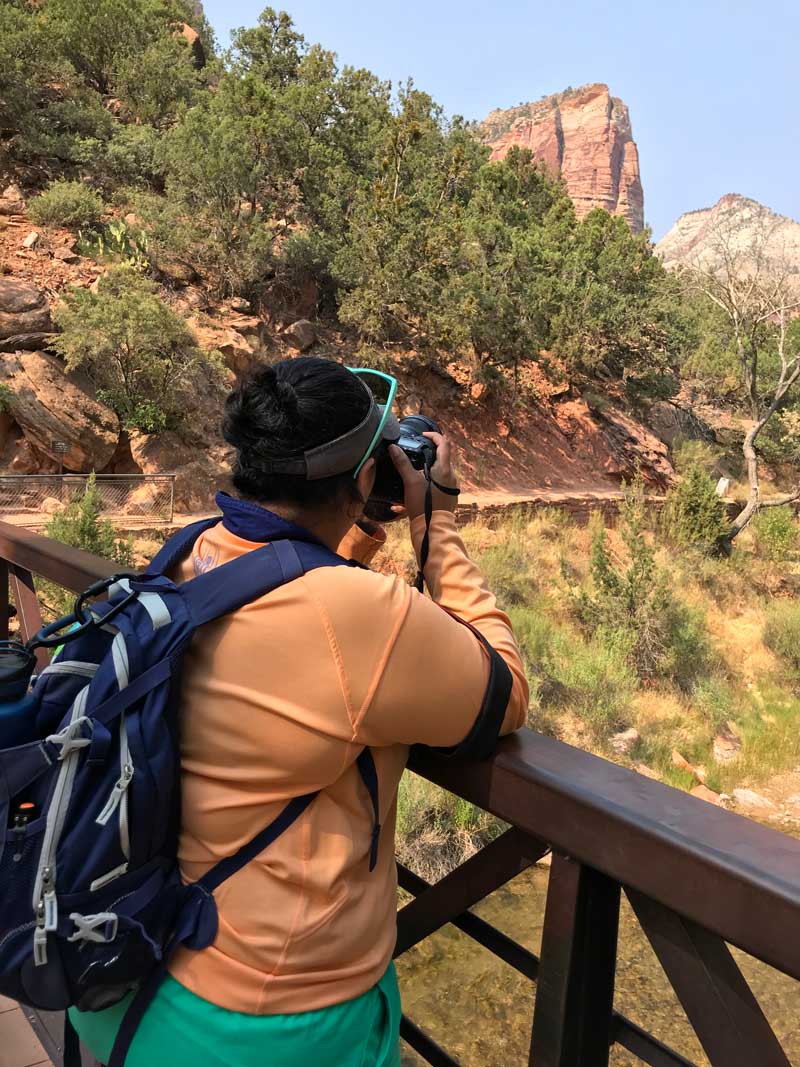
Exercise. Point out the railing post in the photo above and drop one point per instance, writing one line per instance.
(5, 593)
(575, 988)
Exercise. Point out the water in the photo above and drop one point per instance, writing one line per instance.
(480, 1009)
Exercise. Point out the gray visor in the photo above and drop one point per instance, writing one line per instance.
(343, 453)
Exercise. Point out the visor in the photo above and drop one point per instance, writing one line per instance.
(352, 449)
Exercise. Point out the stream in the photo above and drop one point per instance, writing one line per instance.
(480, 1009)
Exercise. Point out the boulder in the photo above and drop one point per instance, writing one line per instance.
(24, 312)
(753, 802)
(237, 337)
(176, 271)
(704, 793)
(648, 772)
(25, 459)
(17, 296)
(301, 335)
(672, 423)
(66, 255)
(727, 744)
(50, 406)
(624, 741)
(50, 505)
(199, 474)
(12, 202)
(32, 240)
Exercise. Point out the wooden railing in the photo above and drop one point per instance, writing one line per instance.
(697, 877)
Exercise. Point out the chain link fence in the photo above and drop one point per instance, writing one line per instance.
(124, 497)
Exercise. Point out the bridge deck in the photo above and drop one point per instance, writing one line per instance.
(19, 1045)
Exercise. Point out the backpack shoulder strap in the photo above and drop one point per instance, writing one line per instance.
(179, 546)
(226, 588)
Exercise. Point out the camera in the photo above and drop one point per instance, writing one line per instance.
(421, 451)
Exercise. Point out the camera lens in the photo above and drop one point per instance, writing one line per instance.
(419, 424)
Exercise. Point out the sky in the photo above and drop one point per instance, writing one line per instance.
(713, 86)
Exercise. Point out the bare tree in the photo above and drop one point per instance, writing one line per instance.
(744, 270)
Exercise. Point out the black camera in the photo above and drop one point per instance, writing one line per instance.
(421, 451)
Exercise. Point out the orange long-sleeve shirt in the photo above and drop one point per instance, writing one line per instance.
(279, 700)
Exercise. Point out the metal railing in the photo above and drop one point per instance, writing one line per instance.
(123, 497)
(698, 878)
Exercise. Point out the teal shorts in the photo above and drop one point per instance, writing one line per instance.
(180, 1029)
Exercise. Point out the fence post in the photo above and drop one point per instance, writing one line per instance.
(575, 987)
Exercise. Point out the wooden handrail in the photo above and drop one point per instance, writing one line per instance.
(697, 876)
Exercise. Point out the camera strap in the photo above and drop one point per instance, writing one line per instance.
(449, 490)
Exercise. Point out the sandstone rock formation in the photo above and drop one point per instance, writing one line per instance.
(745, 226)
(200, 471)
(24, 315)
(586, 135)
(301, 335)
(49, 406)
(671, 423)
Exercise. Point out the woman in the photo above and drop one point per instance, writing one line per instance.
(281, 699)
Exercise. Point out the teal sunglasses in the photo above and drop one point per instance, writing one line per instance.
(387, 409)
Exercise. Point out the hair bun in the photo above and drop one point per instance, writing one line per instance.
(280, 390)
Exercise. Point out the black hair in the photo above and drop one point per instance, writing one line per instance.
(282, 411)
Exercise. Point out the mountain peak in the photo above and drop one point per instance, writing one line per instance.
(585, 135)
(748, 226)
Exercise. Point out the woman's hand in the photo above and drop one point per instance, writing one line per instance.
(415, 484)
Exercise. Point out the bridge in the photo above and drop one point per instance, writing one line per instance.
(699, 880)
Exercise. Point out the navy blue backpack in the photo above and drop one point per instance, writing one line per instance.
(91, 900)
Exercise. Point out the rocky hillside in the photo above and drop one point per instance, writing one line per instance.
(739, 224)
(586, 135)
(562, 444)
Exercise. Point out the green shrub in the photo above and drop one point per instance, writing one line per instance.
(132, 155)
(782, 631)
(6, 397)
(71, 204)
(116, 241)
(632, 599)
(590, 677)
(688, 453)
(138, 352)
(694, 516)
(776, 533)
(80, 525)
(714, 700)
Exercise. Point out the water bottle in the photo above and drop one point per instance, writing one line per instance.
(17, 720)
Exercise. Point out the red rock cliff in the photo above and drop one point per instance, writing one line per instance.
(585, 134)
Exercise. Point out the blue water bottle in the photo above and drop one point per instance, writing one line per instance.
(17, 720)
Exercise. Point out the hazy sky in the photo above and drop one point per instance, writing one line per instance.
(713, 86)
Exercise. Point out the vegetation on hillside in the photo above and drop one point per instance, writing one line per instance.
(270, 169)
(640, 633)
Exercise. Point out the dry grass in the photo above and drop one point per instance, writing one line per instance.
(582, 690)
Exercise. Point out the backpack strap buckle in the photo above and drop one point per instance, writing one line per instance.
(100, 928)
(72, 737)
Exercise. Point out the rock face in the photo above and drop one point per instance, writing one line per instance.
(49, 406)
(671, 422)
(200, 472)
(745, 226)
(24, 315)
(585, 134)
(301, 335)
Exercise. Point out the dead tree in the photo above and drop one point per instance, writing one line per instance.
(747, 275)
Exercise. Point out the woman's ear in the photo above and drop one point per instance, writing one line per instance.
(365, 479)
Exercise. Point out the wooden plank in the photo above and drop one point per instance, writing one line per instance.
(575, 990)
(28, 611)
(423, 1044)
(5, 594)
(495, 864)
(718, 1002)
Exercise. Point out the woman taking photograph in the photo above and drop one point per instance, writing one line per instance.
(291, 694)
